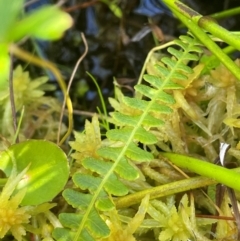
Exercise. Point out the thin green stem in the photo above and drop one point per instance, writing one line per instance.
(226, 13)
(164, 190)
(178, 186)
(220, 174)
(223, 14)
(18, 126)
(101, 99)
(192, 19)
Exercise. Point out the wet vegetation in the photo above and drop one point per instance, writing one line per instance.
(119, 120)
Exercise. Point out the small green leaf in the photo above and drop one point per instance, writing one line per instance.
(163, 71)
(153, 80)
(210, 62)
(137, 154)
(104, 204)
(124, 134)
(85, 181)
(179, 76)
(96, 225)
(126, 170)
(143, 105)
(166, 98)
(111, 153)
(77, 199)
(48, 171)
(193, 43)
(63, 234)
(135, 103)
(156, 107)
(145, 137)
(151, 121)
(115, 187)
(171, 63)
(123, 169)
(192, 57)
(48, 23)
(172, 86)
(183, 68)
(182, 44)
(119, 134)
(146, 90)
(178, 54)
(125, 119)
(98, 166)
(151, 93)
(114, 8)
(112, 185)
(9, 12)
(70, 220)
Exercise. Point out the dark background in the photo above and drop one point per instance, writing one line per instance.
(111, 52)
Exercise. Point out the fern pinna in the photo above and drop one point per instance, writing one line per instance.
(103, 164)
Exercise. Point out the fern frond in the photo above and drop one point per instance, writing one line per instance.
(114, 159)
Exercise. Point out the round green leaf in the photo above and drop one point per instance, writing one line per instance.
(48, 171)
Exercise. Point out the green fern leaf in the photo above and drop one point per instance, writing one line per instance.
(85, 181)
(151, 93)
(63, 234)
(104, 204)
(157, 82)
(171, 63)
(142, 105)
(153, 80)
(70, 220)
(110, 153)
(170, 85)
(98, 166)
(94, 223)
(150, 121)
(133, 152)
(77, 199)
(125, 170)
(115, 187)
(162, 71)
(127, 120)
(137, 154)
(124, 134)
(102, 173)
(177, 53)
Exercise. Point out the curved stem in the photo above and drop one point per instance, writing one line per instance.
(46, 64)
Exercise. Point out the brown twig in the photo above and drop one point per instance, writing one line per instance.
(70, 83)
(46, 64)
(80, 5)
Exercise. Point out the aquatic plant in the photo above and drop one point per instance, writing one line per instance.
(126, 183)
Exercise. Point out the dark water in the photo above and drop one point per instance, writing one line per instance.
(112, 53)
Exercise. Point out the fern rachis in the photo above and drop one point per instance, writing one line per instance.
(134, 116)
